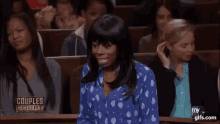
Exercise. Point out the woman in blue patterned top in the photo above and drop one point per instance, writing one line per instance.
(115, 89)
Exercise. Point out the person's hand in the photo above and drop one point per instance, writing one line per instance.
(164, 59)
(48, 14)
(39, 19)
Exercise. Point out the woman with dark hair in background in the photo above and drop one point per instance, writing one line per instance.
(145, 13)
(183, 79)
(114, 87)
(60, 14)
(10, 7)
(25, 72)
(165, 11)
(75, 43)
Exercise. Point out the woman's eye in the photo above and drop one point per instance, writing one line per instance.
(20, 30)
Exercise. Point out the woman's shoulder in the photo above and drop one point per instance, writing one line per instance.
(197, 61)
(52, 64)
(142, 68)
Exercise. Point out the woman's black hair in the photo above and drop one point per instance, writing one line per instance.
(85, 4)
(172, 5)
(6, 10)
(111, 28)
(10, 64)
(75, 4)
(25, 7)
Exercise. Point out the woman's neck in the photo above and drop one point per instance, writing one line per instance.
(112, 68)
(25, 57)
(175, 61)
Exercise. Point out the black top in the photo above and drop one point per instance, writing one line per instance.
(203, 90)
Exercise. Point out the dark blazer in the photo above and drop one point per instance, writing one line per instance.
(203, 91)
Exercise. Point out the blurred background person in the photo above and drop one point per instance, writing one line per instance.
(164, 12)
(75, 43)
(145, 13)
(183, 79)
(25, 71)
(60, 14)
(114, 87)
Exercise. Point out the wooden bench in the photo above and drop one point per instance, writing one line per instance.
(72, 119)
(40, 119)
(54, 38)
(69, 66)
(206, 11)
(123, 11)
(206, 38)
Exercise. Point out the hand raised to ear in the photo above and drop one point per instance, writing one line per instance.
(164, 59)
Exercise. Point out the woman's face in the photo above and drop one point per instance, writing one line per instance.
(185, 47)
(64, 10)
(94, 11)
(18, 35)
(163, 16)
(106, 55)
(17, 7)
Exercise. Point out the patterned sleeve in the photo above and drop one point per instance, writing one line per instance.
(85, 112)
(149, 101)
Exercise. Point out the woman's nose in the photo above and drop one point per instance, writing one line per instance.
(100, 49)
(15, 35)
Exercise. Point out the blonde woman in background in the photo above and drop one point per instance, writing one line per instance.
(183, 79)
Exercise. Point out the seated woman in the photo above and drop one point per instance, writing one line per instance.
(183, 79)
(164, 12)
(145, 13)
(60, 14)
(114, 87)
(25, 72)
(75, 43)
(18, 6)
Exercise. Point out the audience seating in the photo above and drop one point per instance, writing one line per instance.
(68, 64)
(123, 11)
(53, 40)
(40, 119)
(72, 118)
(72, 67)
(206, 38)
(205, 13)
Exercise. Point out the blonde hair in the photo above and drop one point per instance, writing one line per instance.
(175, 29)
